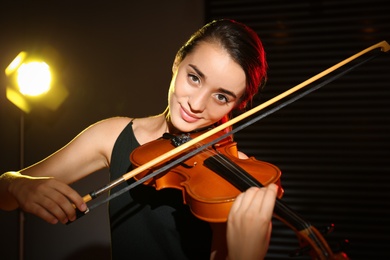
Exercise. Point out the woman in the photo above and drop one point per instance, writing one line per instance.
(219, 69)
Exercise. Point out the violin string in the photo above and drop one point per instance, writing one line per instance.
(249, 181)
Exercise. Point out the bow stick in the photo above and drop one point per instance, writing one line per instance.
(384, 47)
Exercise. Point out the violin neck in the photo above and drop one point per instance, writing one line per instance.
(242, 180)
(226, 168)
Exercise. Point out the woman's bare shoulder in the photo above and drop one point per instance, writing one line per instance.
(115, 121)
(112, 124)
(103, 134)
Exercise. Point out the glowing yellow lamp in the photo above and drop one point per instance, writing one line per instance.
(30, 83)
(34, 78)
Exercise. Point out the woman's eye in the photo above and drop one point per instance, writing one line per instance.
(193, 78)
(222, 98)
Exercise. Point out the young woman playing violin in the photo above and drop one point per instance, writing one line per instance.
(217, 70)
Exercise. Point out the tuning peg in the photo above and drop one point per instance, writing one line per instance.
(327, 230)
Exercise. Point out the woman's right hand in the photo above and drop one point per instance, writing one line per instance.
(47, 198)
(42, 189)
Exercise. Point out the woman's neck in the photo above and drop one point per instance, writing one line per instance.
(170, 127)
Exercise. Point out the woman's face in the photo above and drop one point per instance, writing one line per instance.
(205, 87)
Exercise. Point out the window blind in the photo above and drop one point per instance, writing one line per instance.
(332, 145)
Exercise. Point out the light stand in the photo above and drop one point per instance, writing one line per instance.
(21, 213)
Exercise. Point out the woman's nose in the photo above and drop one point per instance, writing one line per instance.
(198, 99)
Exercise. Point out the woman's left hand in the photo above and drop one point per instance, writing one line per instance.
(249, 223)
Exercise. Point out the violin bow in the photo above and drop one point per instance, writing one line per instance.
(383, 46)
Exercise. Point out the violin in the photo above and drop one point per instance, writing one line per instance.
(211, 180)
(208, 194)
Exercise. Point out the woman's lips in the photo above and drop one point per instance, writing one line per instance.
(188, 117)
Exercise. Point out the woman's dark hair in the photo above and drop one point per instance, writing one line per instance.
(242, 44)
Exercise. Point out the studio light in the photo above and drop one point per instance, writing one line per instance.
(31, 82)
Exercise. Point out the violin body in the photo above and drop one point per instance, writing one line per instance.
(208, 195)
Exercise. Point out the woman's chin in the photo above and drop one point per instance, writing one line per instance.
(186, 127)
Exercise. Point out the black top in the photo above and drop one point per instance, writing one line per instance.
(150, 224)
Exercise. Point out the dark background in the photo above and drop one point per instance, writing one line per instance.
(115, 59)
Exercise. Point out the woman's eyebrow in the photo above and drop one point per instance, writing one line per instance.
(197, 71)
(225, 91)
